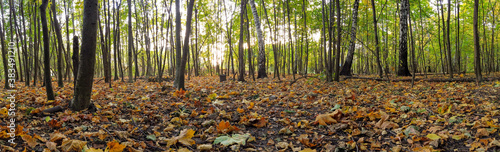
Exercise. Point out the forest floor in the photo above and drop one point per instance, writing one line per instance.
(266, 115)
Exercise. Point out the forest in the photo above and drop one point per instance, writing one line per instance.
(249, 75)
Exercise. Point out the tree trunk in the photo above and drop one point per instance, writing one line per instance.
(339, 39)
(377, 47)
(181, 66)
(241, 53)
(262, 56)
(130, 42)
(457, 47)
(46, 51)
(60, 47)
(403, 47)
(450, 64)
(477, 53)
(75, 58)
(346, 67)
(83, 88)
(4, 51)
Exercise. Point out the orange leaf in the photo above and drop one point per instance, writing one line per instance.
(260, 123)
(251, 105)
(240, 110)
(114, 146)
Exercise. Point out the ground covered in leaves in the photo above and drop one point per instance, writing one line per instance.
(266, 115)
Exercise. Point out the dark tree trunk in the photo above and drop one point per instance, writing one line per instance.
(83, 88)
(4, 51)
(477, 51)
(181, 66)
(75, 58)
(450, 64)
(130, 42)
(339, 34)
(241, 53)
(403, 46)
(377, 47)
(346, 67)
(46, 51)
(60, 47)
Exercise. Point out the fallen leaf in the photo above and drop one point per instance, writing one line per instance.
(114, 146)
(184, 138)
(73, 145)
(235, 139)
(308, 150)
(324, 119)
(433, 136)
(305, 140)
(57, 136)
(30, 140)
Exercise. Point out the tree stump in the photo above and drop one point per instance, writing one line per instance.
(222, 78)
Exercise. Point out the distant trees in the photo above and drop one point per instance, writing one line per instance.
(304, 36)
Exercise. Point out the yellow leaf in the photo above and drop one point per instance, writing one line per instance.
(3, 112)
(87, 149)
(308, 150)
(183, 138)
(251, 105)
(184, 150)
(433, 136)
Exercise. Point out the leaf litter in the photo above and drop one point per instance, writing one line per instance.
(309, 115)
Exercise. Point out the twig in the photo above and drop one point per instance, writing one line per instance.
(107, 131)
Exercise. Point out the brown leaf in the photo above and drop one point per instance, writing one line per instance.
(72, 145)
(324, 119)
(57, 136)
(30, 140)
(262, 122)
(305, 140)
(482, 132)
(51, 145)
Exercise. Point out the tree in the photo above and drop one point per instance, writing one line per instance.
(346, 67)
(339, 38)
(261, 73)
(448, 49)
(241, 53)
(46, 51)
(377, 47)
(477, 49)
(130, 42)
(75, 58)
(84, 81)
(181, 64)
(59, 45)
(4, 51)
(403, 46)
